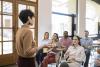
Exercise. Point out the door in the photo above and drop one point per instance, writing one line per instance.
(9, 24)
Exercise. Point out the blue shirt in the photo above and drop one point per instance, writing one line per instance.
(87, 42)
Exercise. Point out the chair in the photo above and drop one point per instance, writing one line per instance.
(58, 62)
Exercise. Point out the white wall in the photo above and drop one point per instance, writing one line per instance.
(81, 17)
(44, 18)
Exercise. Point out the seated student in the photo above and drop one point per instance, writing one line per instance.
(53, 54)
(75, 55)
(97, 60)
(65, 41)
(40, 54)
(87, 43)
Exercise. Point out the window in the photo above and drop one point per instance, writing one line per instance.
(61, 16)
(7, 7)
(61, 24)
(7, 21)
(91, 19)
(64, 6)
(6, 37)
(7, 48)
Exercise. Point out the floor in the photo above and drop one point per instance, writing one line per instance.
(14, 65)
(9, 66)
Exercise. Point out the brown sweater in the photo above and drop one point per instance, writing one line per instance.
(24, 42)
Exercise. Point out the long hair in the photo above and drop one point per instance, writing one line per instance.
(77, 38)
(57, 39)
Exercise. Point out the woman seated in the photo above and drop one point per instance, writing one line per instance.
(40, 54)
(53, 53)
(97, 60)
(75, 55)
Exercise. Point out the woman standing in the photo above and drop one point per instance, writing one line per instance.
(24, 40)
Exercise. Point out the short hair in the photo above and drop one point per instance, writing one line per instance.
(24, 14)
(66, 32)
(64, 64)
(86, 31)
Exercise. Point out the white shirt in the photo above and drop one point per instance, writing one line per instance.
(45, 42)
(76, 52)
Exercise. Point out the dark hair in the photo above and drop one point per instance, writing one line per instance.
(57, 36)
(24, 14)
(64, 33)
(86, 31)
(77, 38)
(64, 64)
